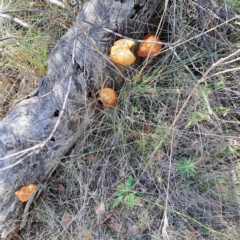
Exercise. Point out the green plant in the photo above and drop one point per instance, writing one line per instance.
(198, 116)
(126, 194)
(186, 167)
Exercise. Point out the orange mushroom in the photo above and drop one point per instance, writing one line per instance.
(120, 52)
(108, 97)
(25, 193)
(148, 48)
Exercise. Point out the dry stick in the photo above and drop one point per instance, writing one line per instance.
(165, 225)
(135, 40)
(101, 223)
(165, 220)
(229, 62)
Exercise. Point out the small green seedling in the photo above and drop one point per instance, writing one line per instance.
(236, 23)
(126, 194)
(186, 167)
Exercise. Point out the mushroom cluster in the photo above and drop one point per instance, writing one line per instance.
(121, 54)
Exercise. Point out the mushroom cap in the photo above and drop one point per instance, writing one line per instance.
(108, 97)
(25, 193)
(120, 52)
(149, 49)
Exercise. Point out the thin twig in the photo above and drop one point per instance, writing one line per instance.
(15, 19)
(225, 71)
(57, 3)
(101, 223)
(32, 11)
(135, 40)
(165, 224)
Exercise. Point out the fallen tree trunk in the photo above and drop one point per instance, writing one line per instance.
(43, 128)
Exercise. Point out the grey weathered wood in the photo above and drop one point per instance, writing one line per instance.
(29, 149)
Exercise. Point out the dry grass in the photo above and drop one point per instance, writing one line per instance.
(175, 111)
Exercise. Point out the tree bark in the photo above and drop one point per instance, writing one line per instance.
(43, 128)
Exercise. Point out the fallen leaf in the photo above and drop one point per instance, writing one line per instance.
(74, 116)
(25, 193)
(169, 145)
(94, 159)
(204, 159)
(146, 128)
(132, 136)
(222, 189)
(165, 225)
(154, 135)
(66, 219)
(216, 205)
(133, 230)
(140, 203)
(116, 227)
(60, 189)
(158, 156)
(192, 231)
(100, 209)
(123, 173)
(159, 179)
(160, 108)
